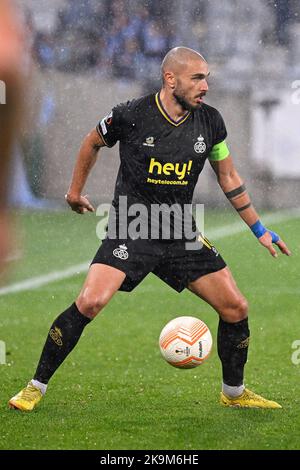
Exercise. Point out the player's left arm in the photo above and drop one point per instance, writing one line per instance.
(235, 190)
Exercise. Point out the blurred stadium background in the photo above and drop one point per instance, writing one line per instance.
(88, 55)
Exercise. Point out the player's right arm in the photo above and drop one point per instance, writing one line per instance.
(85, 161)
(108, 131)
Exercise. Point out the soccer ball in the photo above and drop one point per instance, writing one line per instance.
(185, 342)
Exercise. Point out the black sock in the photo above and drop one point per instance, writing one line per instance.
(62, 338)
(233, 341)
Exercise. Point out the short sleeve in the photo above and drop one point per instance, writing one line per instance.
(110, 128)
(219, 149)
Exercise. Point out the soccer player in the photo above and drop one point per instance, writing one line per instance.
(165, 139)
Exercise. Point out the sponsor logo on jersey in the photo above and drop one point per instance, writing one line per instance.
(56, 334)
(180, 169)
(200, 145)
(121, 252)
(149, 142)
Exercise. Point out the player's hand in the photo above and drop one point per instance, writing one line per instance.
(267, 240)
(79, 204)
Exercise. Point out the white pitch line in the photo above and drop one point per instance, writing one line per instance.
(35, 282)
(221, 232)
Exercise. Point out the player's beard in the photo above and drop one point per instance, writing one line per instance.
(184, 103)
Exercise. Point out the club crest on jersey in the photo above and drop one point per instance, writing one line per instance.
(121, 252)
(149, 142)
(200, 145)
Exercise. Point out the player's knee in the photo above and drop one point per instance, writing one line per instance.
(237, 311)
(242, 308)
(90, 305)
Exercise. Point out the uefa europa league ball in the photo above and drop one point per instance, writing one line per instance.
(185, 342)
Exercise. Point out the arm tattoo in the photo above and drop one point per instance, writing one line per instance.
(235, 192)
(240, 209)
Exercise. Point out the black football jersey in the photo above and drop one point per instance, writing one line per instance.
(161, 159)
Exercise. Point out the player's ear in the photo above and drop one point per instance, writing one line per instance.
(169, 79)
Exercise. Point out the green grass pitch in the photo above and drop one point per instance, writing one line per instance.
(115, 391)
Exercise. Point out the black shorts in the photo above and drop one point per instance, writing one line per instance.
(169, 260)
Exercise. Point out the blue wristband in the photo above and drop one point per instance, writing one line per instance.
(258, 229)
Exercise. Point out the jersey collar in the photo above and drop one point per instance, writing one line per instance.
(165, 114)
